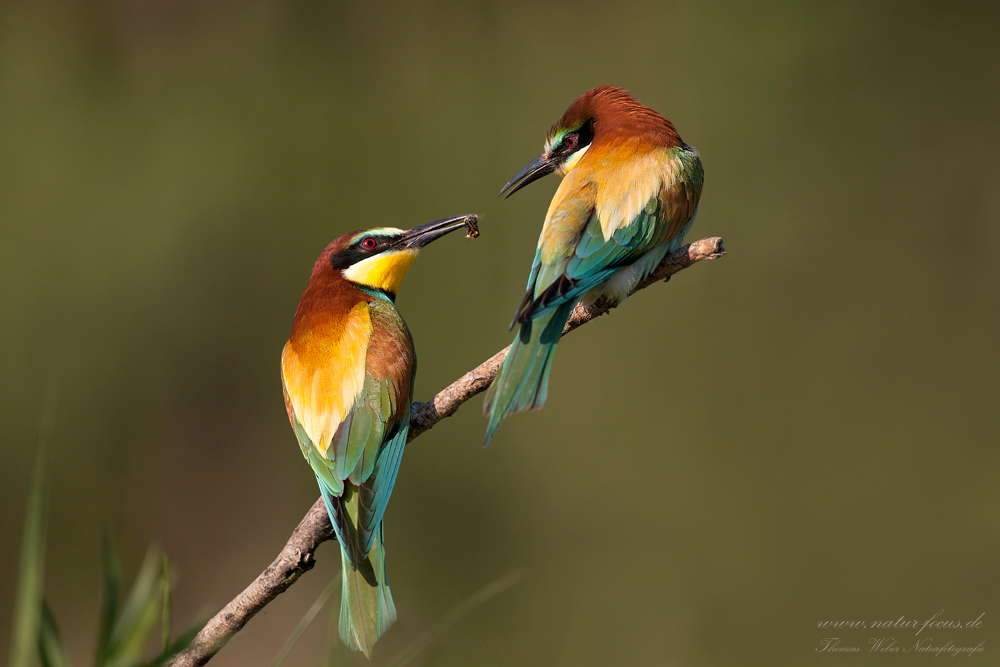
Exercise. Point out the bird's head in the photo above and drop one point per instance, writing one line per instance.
(378, 259)
(602, 118)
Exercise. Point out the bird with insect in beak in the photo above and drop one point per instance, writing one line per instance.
(629, 195)
(347, 373)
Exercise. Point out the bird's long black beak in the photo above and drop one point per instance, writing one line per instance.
(540, 166)
(421, 235)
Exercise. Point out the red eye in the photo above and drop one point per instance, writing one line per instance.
(368, 242)
(569, 141)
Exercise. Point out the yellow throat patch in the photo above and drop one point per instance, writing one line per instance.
(383, 272)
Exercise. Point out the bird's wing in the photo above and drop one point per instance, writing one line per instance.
(573, 254)
(391, 367)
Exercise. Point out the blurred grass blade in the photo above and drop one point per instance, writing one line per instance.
(31, 570)
(456, 614)
(111, 578)
(306, 620)
(165, 610)
(139, 615)
(50, 645)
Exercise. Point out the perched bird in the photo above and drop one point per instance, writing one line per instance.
(629, 196)
(347, 373)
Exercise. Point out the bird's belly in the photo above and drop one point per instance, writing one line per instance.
(617, 288)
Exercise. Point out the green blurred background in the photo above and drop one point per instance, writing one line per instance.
(803, 431)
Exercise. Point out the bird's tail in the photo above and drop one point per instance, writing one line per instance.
(366, 608)
(523, 381)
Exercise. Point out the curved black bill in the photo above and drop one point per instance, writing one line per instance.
(540, 166)
(421, 235)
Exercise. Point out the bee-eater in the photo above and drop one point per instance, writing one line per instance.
(347, 373)
(629, 196)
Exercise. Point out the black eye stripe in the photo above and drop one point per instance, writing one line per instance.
(372, 243)
(577, 139)
(358, 251)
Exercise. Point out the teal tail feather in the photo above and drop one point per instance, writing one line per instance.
(523, 381)
(366, 607)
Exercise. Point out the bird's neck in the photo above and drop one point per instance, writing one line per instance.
(327, 297)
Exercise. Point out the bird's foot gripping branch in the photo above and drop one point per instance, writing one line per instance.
(297, 556)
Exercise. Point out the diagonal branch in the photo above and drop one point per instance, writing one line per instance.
(297, 557)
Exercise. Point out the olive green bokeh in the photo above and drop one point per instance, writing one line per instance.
(805, 430)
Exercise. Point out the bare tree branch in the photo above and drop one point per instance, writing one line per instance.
(297, 557)
(425, 415)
